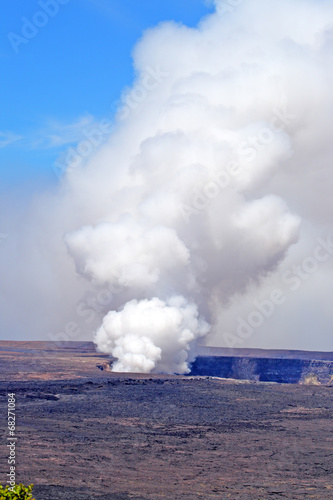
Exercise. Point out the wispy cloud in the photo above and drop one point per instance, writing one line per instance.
(56, 134)
(52, 134)
(7, 138)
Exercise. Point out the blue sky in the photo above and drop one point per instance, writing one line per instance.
(69, 72)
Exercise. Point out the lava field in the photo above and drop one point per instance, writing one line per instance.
(102, 435)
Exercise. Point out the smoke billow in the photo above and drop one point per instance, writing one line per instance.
(180, 210)
(152, 333)
(185, 226)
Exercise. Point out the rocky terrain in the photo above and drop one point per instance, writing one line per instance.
(281, 370)
(86, 434)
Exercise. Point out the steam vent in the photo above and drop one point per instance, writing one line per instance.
(286, 367)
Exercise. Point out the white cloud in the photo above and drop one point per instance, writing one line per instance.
(7, 138)
(56, 134)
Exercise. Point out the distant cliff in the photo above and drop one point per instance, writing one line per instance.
(282, 370)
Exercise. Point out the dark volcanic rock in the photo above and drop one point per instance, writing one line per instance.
(83, 433)
(176, 438)
(287, 371)
(54, 492)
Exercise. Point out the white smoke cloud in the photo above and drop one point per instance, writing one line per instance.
(202, 187)
(152, 335)
(125, 253)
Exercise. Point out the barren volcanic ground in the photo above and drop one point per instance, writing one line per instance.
(90, 434)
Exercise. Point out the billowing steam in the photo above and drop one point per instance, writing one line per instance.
(152, 333)
(186, 220)
(186, 205)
